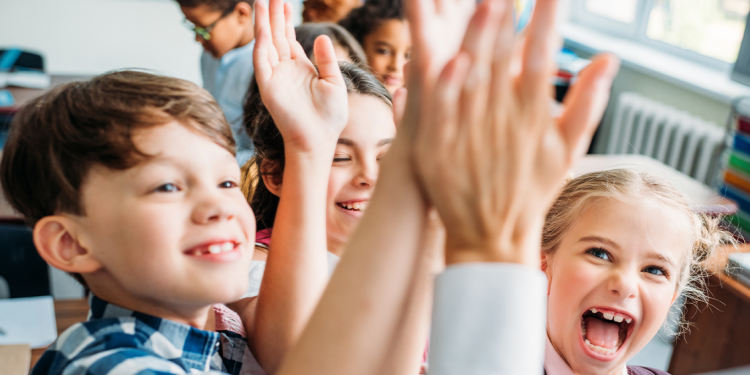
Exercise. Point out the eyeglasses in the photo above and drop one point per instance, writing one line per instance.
(205, 32)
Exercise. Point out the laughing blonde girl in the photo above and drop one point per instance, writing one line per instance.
(619, 247)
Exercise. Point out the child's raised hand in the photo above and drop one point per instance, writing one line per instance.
(489, 154)
(309, 107)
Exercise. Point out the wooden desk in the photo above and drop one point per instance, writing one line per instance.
(67, 313)
(700, 196)
(22, 95)
(720, 337)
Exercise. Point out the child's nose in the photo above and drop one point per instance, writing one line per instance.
(212, 210)
(623, 284)
(367, 175)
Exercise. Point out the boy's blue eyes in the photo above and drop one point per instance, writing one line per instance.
(167, 188)
(172, 188)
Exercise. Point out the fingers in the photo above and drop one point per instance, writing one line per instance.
(478, 45)
(264, 55)
(399, 105)
(444, 113)
(541, 45)
(279, 28)
(504, 52)
(290, 33)
(328, 65)
(263, 69)
(586, 101)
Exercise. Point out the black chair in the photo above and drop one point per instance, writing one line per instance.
(20, 264)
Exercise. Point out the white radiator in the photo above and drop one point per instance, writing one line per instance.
(676, 138)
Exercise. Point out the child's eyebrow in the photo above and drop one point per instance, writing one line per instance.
(603, 240)
(349, 142)
(659, 256)
(384, 43)
(384, 142)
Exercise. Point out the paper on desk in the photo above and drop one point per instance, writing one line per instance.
(28, 321)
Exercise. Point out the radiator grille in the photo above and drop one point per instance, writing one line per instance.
(676, 138)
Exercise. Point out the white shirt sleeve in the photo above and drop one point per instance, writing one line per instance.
(488, 318)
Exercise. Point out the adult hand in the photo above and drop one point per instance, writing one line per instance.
(309, 106)
(489, 154)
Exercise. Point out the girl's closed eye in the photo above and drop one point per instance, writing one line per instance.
(599, 253)
(341, 158)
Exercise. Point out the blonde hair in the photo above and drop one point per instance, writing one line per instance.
(627, 185)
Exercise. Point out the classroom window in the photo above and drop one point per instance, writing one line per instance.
(705, 31)
(712, 28)
(617, 10)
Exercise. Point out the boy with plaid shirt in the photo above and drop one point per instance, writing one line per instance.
(131, 185)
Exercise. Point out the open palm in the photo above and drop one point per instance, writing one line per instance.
(309, 106)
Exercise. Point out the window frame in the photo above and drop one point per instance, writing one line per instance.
(637, 32)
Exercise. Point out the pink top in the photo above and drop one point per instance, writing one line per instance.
(554, 364)
(228, 320)
(263, 237)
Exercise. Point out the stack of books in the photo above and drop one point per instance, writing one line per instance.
(735, 177)
(738, 267)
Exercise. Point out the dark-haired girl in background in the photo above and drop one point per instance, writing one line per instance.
(381, 28)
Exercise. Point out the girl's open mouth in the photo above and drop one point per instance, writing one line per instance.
(605, 332)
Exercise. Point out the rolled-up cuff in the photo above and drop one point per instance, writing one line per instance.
(488, 318)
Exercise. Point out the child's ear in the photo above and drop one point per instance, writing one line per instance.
(271, 177)
(57, 242)
(545, 269)
(244, 12)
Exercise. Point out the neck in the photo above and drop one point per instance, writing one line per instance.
(336, 246)
(106, 288)
(246, 37)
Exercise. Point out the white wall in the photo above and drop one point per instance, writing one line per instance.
(94, 36)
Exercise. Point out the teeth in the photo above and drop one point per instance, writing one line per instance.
(599, 349)
(214, 249)
(628, 320)
(594, 311)
(608, 316)
(356, 206)
(618, 318)
(227, 246)
(197, 252)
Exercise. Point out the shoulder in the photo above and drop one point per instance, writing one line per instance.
(102, 346)
(640, 370)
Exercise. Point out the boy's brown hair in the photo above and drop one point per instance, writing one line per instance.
(217, 5)
(56, 138)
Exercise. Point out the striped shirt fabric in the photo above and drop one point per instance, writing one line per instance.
(117, 341)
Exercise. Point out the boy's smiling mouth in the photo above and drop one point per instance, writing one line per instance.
(217, 251)
(604, 331)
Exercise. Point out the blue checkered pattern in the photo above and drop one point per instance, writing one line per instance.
(118, 341)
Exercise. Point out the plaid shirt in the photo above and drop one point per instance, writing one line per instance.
(118, 341)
